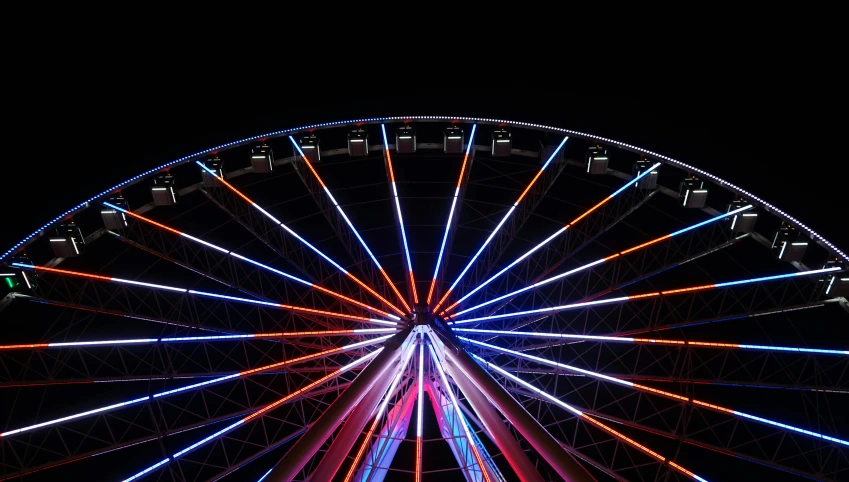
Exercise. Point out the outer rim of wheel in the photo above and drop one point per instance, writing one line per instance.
(819, 239)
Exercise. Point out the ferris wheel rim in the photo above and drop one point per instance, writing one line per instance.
(658, 157)
(828, 245)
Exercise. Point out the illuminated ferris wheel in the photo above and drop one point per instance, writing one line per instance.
(423, 298)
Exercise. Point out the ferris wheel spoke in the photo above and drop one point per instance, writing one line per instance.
(204, 338)
(560, 337)
(747, 445)
(156, 421)
(205, 384)
(533, 199)
(530, 392)
(662, 295)
(306, 447)
(553, 255)
(283, 243)
(360, 251)
(255, 415)
(370, 405)
(141, 359)
(450, 416)
(718, 415)
(492, 423)
(206, 294)
(399, 219)
(28, 383)
(553, 236)
(230, 268)
(612, 260)
(453, 216)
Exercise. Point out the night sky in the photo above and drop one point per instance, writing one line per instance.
(74, 141)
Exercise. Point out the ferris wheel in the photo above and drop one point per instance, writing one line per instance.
(423, 298)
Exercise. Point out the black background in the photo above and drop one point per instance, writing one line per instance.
(72, 140)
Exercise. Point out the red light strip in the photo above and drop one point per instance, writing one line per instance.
(150, 221)
(375, 293)
(18, 347)
(623, 437)
(73, 273)
(413, 285)
(395, 290)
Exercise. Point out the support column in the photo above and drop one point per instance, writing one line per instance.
(353, 427)
(542, 441)
(291, 464)
(449, 419)
(383, 449)
(492, 423)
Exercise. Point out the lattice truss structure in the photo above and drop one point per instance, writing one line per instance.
(452, 299)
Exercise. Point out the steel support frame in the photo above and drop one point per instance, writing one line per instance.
(362, 261)
(695, 425)
(440, 287)
(347, 436)
(452, 433)
(377, 460)
(147, 421)
(306, 262)
(495, 427)
(305, 448)
(545, 262)
(499, 244)
(541, 440)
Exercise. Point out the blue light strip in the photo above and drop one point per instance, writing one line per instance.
(149, 469)
(265, 475)
(207, 439)
(547, 240)
(623, 339)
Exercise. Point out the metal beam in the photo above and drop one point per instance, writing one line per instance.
(379, 458)
(297, 457)
(529, 427)
(449, 419)
(491, 421)
(353, 427)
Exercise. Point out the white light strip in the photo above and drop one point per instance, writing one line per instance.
(420, 391)
(150, 285)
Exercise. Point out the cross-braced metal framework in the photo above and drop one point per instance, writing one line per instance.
(423, 306)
